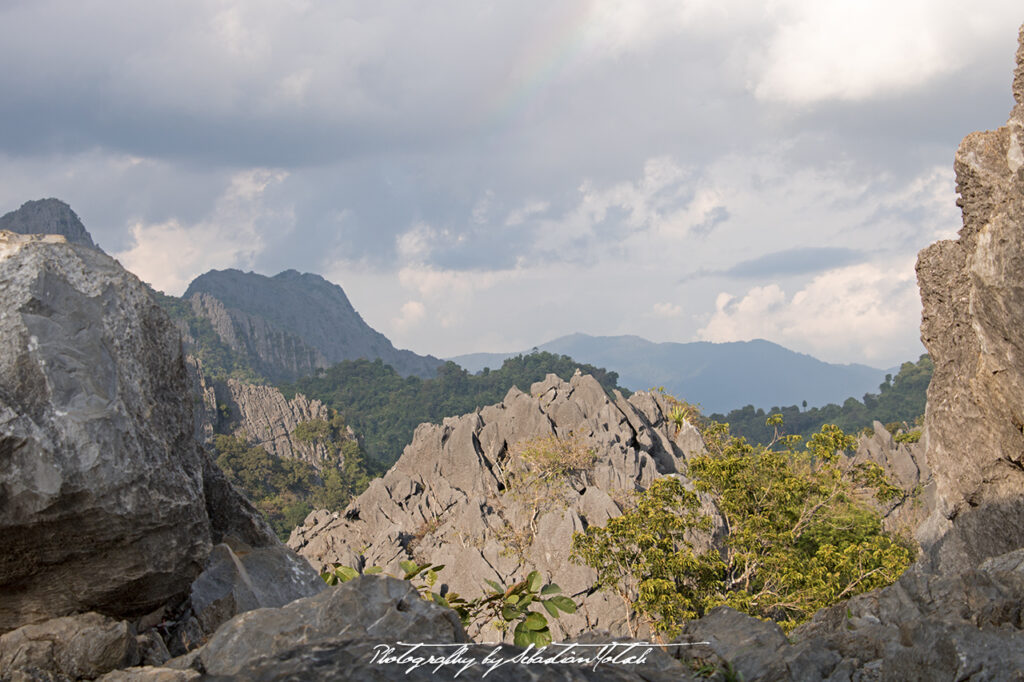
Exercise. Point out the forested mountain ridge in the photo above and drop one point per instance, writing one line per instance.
(900, 399)
(286, 326)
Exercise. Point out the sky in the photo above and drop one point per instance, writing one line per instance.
(488, 176)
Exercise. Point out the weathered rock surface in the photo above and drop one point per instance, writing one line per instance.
(73, 647)
(107, 503)
(973, 295)
(335, 634)
(101, 485)
(47, 216)
(446, 500)
(291, 324)
(906, 467)
(261, 415)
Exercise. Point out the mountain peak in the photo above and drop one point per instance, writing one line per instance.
(48, 216)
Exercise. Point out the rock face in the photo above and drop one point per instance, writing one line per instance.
(259, 414)
(906, 467)
(291, 324)
(449, 499)
(107, 503)
(48, 216)
(973, 294)
(102, 487)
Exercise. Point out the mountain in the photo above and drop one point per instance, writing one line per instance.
(48, 216)
(292, 324)
(717, 376)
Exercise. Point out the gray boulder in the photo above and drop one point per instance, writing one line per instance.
(73, 647)
(107, 503)
(102, 503)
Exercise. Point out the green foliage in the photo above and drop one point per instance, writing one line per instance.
(797, 538)
(643, 556)
(287, 490)
(514, 606)
(220, 361)
(386, 408)
(900, 399)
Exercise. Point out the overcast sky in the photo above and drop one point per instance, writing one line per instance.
(487, 176)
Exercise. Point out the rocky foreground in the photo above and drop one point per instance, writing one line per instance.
(125, 555)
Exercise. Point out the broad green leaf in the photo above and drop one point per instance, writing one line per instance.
(550, 608)
(535, 621)
(373, 570)
(550, 589)
(563, 603)
(534, 581)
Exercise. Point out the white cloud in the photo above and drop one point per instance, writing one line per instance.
(858, 49)
(866, 311)
(667, 310)
(170, 254)
(410, 315)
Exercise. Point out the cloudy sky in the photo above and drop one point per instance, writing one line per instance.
(487, 176)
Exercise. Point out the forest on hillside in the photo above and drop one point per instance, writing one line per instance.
(900, 401)
(385, 408)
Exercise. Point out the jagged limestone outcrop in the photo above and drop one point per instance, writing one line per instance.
(291, 324)
(261, 415)
(48, 216)
(107, 503)
(451, 499)
(972, 289)
(906, 467)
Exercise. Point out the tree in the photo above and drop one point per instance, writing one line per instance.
(796, 537)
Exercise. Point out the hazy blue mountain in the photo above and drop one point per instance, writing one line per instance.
(718, 376)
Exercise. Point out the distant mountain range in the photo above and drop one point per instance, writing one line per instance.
(718, 376)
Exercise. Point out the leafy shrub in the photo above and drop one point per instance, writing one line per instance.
(796, 538)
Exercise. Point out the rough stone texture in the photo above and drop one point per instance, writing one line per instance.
(48, 216)
(107, 503)
(83, 646)
(291, 324)
(905, 466)
(151, 674)
(368, 607)
(243, 578)
(101, 484)
(334, 635)
(259, 414)
(973, 295)
(445, 500)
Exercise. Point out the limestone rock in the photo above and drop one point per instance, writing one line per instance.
(973, 295)
(107, 503)
(48, 216)
(291, 324)
(906, 467)
(101, 484)
(369, 607)
(75, 647)
(446, 501)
